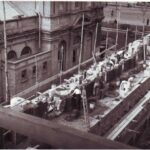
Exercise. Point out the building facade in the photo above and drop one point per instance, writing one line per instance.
(39, 46)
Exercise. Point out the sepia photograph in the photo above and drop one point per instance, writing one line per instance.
(74, 74)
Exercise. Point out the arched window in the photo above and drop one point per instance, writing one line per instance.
(77, 40)
(11, 55)
(61, 54)
(62, 48)
(26, 51)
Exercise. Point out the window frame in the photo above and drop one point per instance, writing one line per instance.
(45, 66)
(74, 55)
(34, 70)
(77, 5)
(24, 76)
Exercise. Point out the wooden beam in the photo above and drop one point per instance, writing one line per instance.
(133, 131)
(51, 133)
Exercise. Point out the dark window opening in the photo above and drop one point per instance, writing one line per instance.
(24, 75)
(11, 55)
(34, 70)
(74, 56)
(77, 4)
(26, 51)
(45, 65)
(86, 20)
(89, 35)
(59, 56)
(77, 40)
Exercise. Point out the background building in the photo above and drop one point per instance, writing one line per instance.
(41, 36)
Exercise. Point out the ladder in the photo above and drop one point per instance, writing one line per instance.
(85, 108)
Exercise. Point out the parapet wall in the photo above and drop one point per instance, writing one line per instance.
(19, 25)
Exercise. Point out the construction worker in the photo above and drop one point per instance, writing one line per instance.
(84, 74)
(76, 105)
(115, 21)
(101, 88)
(96, 86)
(77, 98)
(42, 105)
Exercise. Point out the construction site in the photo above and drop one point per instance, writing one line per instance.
(72, 77)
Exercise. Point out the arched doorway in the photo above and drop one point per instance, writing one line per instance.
(62, 55)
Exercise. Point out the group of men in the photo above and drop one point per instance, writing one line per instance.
(79, 97)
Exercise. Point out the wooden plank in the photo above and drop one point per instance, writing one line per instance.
(51, 133)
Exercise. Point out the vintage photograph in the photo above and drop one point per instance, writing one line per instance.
(74, 75)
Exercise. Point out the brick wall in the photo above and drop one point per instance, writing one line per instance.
(102, 127)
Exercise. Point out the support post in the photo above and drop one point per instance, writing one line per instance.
(107, 39)
(135, 32)
(61, 63)
(118, 18)
(5, 55)
(81, 45)
(39, 31)
(126, 41)
(95, 42)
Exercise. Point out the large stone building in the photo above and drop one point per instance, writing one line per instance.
(35, 43)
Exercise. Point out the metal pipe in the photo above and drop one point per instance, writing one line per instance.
(5, 55)
(36, 63)
(39, 30)
(36, 78)
(135, 32)
(107, 40)
(35, 4)
(95, 38)
(81, 45)
(143, 30)
(144, 53)
(39, 15)
(118, 17)
(61, 63)
(126, 41)
(95, 41)
(43, 8)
